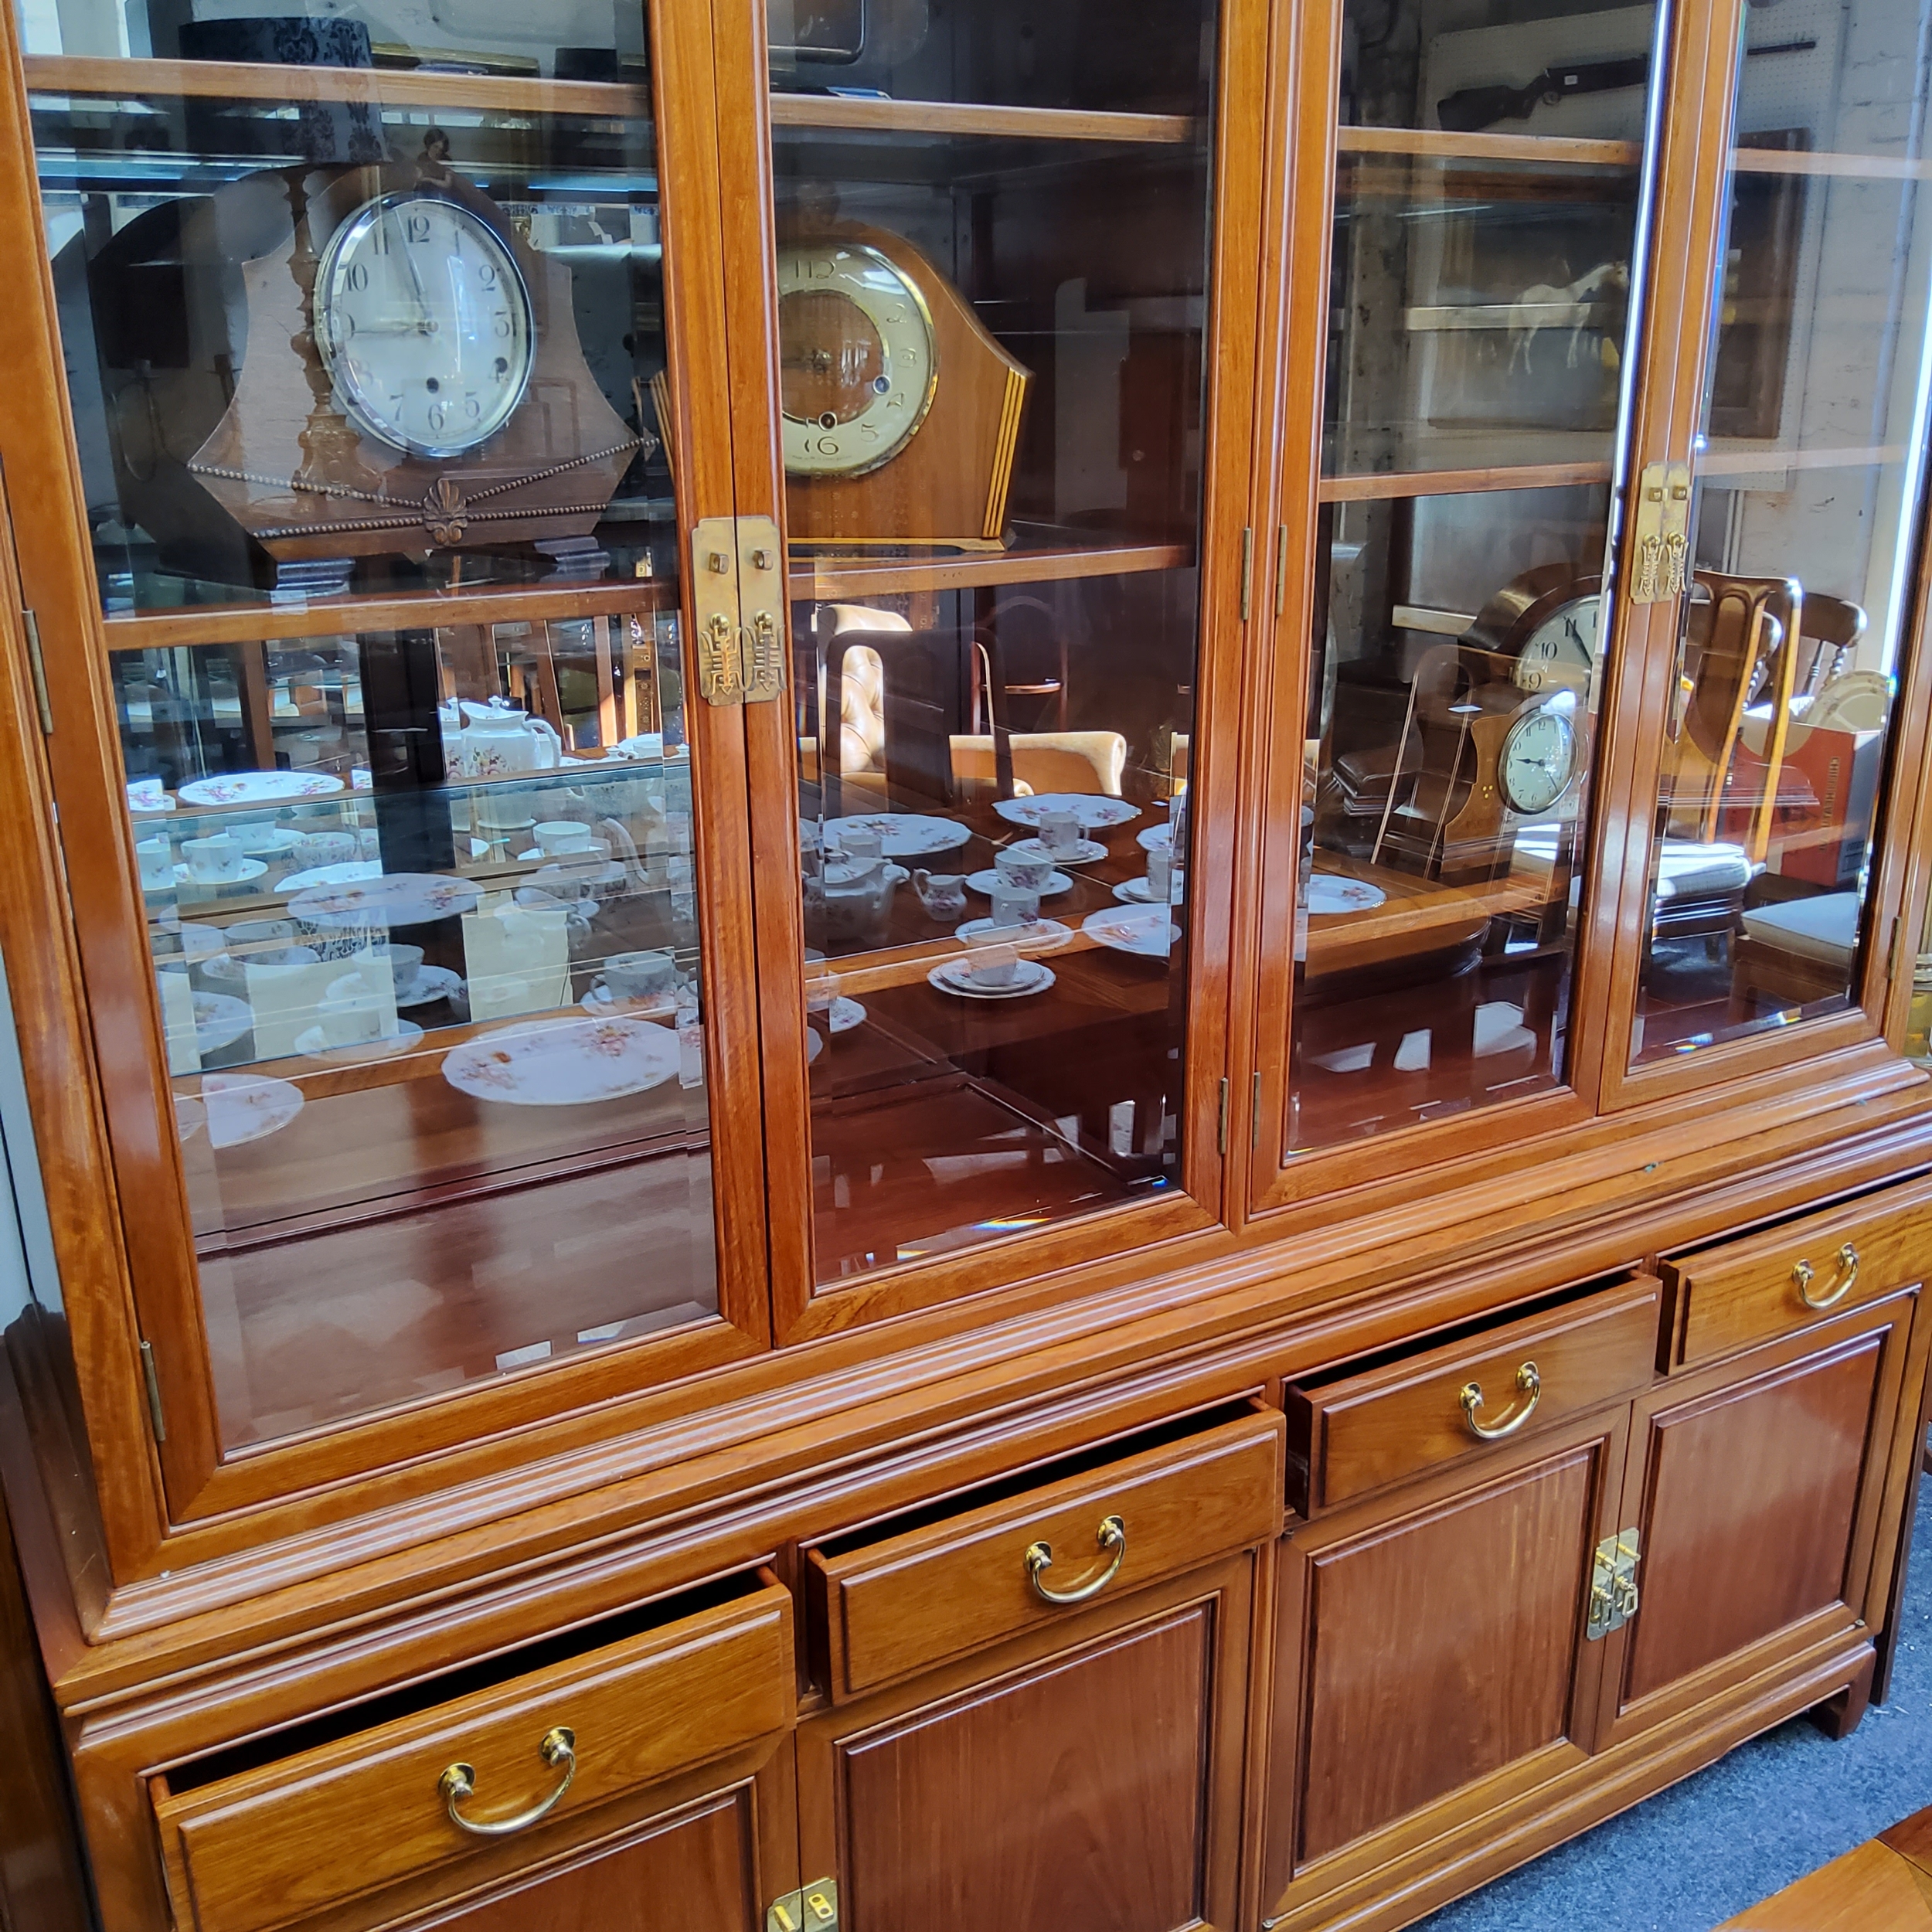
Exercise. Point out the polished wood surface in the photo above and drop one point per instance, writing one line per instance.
(243, 1852)
(944, 117)
(1353, 1434)
(1883, 1886)
(904, 1603)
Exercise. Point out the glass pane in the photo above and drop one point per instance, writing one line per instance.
(1805, 510)
(363, 340)
(993, 300)
(1487, 198)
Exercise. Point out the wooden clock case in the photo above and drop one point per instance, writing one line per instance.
(947, 486)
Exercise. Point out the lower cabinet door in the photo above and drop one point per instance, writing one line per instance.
(1084, 1778)
(1434, 1657)
(1757, 1488)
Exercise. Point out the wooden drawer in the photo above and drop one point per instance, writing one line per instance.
(1349, 1433)
(900, 1603)
(1735, 1293)
(269, 1846)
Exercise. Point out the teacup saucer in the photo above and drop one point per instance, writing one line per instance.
(314, 1045)
(1042, 936)
(1138, 891)
(430, 983)
(953, 978)
(250, 869)
(603, 1003)
(983, 883)
(1085, 852)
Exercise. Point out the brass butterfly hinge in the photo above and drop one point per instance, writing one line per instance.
(1661, 538)
(761, 603)
(738, 596)
(1613, 1585)
(815, 1909)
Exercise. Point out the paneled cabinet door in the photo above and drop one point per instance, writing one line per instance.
(1089, 1776)
(1757, 1488)
(1432, 1660)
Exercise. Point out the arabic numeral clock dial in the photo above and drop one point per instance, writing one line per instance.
(423, 323)
(1538, 762)
(858, 359)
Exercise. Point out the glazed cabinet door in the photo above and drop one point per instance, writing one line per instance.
(994, 374)
(366, 423)
(1433, 1658)
(1756, 1493)
(1779, 762)
(1089, 1775)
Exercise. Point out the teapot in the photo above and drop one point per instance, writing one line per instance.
(490, 740)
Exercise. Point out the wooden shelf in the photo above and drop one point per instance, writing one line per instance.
(425, 611)
(1728, 458)
(1775, 160)
(835, 113)
(826, 579)
(385, 86)
(1385, 486)
(1431, 144)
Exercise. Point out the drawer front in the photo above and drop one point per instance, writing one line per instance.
(1728, 1296)
(1357, 1433)
(271, 1846)
(905, 1602)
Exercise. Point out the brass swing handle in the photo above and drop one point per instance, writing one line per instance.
(559, 1746)
(1803, 1273)
(1039, 1558)
(1527, 1380)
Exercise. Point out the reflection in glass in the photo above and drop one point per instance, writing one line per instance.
(991, 367)
(1804, 511)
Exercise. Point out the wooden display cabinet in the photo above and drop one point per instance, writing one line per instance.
(1158, 768)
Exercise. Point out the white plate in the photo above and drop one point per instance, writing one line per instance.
(814, 1046)
(952, 978)
(250, 869)
(143, 804)
(1087, 852)
(228, 970)
(314, 1045)
(1094, 810)
(345, 873)
(1154, 839)
(220, 1020)
(845, 1014)
(1043, 936)
(190, 1116)
(984, 882)
(567, 1063)
(1149, 933)
(903, 834)
(271, 843)
(600, 1003)
(391, 898)
(1329, 893)
(260, 787)
(1138, 891)
(430, 983)
(245, 1107)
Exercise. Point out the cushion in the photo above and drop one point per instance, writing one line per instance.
(1825, 928)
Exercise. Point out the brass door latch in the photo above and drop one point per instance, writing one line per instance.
(1661, 534)
(815, 1909)
(1613, 1585)
(738, 594)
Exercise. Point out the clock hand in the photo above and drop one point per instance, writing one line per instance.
(427, 326)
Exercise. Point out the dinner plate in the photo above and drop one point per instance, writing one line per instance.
(814, 1046)
(1148, 933)
(903, 835)
(1042, 936)
(564, 1063)
(259, 788)
(390, 899)
(985, 881)
(1094, 810)
(220, 1020)
(248, 1107)
(1330, 893)
(845, 1014)
(314, 1045)
(1154, 839)
(345, 873)
(952, 978)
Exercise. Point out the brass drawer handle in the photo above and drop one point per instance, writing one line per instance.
(1040, 1557)
(1527, 1380)
(1847, 1262)
(559, 1746)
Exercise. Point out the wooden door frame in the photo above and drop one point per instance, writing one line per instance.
(803, 1307)
(80, 967)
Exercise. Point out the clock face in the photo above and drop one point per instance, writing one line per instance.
(1561, 652)
(1538, 759)
(423, 324)
(856, 357)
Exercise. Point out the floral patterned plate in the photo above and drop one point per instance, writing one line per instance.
(564, 1063)
(394, 899)
(1147, 930)
(259, 788)
(1094, 810)
(903, 835)
(1329, 893)
(245, 1107)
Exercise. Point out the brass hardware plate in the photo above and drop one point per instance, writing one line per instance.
(1661, 535)
(761, 601)
(36, 665)
(1613, 1585)
(814, 1909)
(714, 595)
(151, 1377)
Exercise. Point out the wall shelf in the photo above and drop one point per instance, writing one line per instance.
(828, 578)
(843, 114)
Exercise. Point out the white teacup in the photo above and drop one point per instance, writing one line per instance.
(638, 975)
(1025, 871)
(401, 962)
(557, 835)
(156, 857)
(325, 848)
(258, 932)
(347, 1022)
(1059, 833)
(1013, 907)
(993, 967)
(860, 846)
(215, 859)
